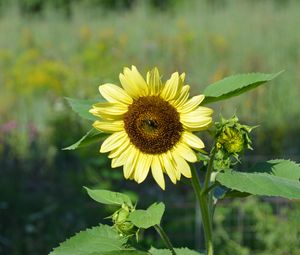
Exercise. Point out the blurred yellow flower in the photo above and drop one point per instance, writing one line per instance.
(151, 125)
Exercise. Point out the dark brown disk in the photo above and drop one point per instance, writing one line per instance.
(153, 125)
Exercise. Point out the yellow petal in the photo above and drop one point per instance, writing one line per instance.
(168, 166)
(157, 172)
(182, 97)
(154, 82)
(182, 77)
(122, 158)
(135, 174)
(182, 166)
(186, 152)
(114, 94)
(108, 109)
(130, 163)
(113, 141)
(197, 125)
(197, 120)
(191, 104)
(133, 83)
(172, 160)
(143, 166)
(109, 126)
(171, 87)
(138, 78)
(117, 151)
(192, 140)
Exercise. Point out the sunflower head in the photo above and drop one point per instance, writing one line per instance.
(151, 124)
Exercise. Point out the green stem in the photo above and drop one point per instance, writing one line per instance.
(206, 219)
(165, 238)
(209, 169)
(206, 187)
(210, 188)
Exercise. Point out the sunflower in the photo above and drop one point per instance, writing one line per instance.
(151, 124)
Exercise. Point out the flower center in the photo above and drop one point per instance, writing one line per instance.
(152, 124)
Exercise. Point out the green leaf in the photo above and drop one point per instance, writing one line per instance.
(92, 241)
(148, 218)
(260, 184)
(82, 107)
(179, 251)
(90, 137)
(221, 192)
(235, 85)
(235, 193)
(279, 167)
(108, 197)
(125, 252)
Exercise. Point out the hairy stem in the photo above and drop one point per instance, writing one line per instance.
(165, 238)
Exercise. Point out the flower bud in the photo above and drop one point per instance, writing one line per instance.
(232, 138)
(121, 222)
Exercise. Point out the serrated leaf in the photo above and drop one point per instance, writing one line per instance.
(88, 242)
(109, 197)
(260, 184)
(148, 218)
(179, 251)
(90, 137)
(279, 167)
(82, 107)
(235, 85)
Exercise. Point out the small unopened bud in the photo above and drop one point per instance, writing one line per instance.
(232, 138)
(121, 222)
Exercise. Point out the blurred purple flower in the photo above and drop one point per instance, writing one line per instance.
(8, 127)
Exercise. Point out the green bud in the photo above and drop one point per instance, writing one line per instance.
(221, 161)
(232, 138)
(121, 222)
(121, 215)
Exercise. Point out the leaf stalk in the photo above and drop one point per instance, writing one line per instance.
(165, 238)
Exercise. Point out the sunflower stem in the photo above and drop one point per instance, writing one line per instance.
(210, 188)
(209, 169)
(204, 209)
(165, 238)
(207, 182)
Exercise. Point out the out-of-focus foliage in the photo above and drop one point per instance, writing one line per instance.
(256, 226)
(36, 7)
(48, 57)
(69, 49)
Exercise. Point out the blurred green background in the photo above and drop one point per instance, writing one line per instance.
(51, 49)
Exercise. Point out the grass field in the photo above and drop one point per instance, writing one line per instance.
(48, 56)
(45, 58)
